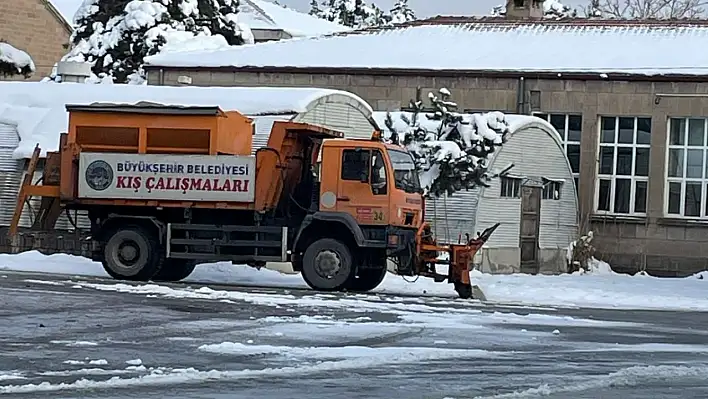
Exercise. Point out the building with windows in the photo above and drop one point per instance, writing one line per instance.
(629, 99)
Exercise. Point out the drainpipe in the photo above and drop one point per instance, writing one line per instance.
(521, 96)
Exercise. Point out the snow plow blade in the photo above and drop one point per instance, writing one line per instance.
(460, 258)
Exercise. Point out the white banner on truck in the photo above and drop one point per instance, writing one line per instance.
(167, 177)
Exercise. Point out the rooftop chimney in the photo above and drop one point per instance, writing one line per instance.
(75, 72)
(524, 9)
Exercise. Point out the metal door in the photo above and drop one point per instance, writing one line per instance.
(529, 228)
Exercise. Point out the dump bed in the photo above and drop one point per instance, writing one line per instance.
(169, 156)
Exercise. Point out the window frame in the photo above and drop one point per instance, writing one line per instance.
(613, 177)
(564, 138)
(684, 180)
(374, 153)
(515, 182)
(547, 186)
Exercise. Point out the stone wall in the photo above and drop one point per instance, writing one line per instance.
(31, 26)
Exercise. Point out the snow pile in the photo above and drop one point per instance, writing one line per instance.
(600, 289)
(552, 9)
(14, 61)
(451, 150)
(38, 109)
(115, 41)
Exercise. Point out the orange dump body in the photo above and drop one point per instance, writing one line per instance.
(161, 134)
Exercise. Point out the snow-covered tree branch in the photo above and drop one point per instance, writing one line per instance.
(647, 9)
(358, 14)
(115, 36)
(14, 62)
(552, 9)
(451, 150)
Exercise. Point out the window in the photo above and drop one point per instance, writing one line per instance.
(378, 174)
(552, 189)
(510, 187)
(687, 168)
(569, 126)
(355, 165)
(623, 165)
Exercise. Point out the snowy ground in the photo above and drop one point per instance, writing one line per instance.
(90, 337)
(600, 289)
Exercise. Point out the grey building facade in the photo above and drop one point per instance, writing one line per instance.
(637, 141)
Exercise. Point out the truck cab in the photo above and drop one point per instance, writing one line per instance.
(369, 199)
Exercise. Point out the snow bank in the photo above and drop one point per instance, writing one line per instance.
(16, 60)
(600, 289)
(38, 109)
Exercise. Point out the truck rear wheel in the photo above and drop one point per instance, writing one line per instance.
(174, 270)
(327, 265)
(367, 280)
(132, 253)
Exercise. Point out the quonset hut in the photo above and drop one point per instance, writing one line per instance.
(536, 202)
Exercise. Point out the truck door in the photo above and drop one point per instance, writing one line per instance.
(363, 186)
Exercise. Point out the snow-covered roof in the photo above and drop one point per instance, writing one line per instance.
(38, 108)
(570, 46)
(260, 14)
(16, 60)
(257, 14)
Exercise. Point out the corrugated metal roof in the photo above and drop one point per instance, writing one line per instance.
(485, 45)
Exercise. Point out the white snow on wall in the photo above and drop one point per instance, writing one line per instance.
(260, 14)
(18, 58)
(38, 109)
(556, 47)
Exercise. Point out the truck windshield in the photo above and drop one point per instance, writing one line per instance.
(404, 171)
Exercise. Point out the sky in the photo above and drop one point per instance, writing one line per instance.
(430, 8)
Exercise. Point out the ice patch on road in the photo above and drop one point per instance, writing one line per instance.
(626, 377)
(11, 375)
(90, 371)
(386, 354)
(194, 376)
(45, 282)
(74, 343)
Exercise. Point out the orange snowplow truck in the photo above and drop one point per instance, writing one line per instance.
(166, 188)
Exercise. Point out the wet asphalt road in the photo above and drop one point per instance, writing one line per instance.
(271, 343)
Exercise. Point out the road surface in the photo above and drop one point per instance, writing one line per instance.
(67, 337)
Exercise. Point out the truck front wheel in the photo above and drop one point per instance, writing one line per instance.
(367, 280)
(132, 253)
(327, 265)
(174, 270)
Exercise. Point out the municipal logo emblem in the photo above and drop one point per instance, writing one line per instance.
(99, 175)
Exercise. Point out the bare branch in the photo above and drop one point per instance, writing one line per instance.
(647, 9)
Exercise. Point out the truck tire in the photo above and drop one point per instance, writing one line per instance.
(327, 265)
(132, 253)
(173, 270)
(367, 280)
